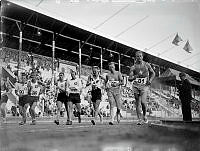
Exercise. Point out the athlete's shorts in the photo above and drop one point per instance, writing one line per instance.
(4, 99)
(74, 98)
(96, 94)
(114, 95)
(141, 90)
(23, 100)
(32, 99)
(62, 97)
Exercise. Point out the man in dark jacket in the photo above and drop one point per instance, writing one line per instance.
(185, 95)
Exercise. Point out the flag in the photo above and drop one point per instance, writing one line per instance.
(177, 39)
(187, 47)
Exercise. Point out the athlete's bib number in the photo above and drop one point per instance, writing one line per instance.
(21, 92)
(73, 89)
(141, 81)
(34, 93)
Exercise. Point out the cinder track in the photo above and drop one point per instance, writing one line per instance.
(126, 136)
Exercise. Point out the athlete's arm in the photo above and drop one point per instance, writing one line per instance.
(131, 74)
(16, 89)
(9, 87)
(151, 73)
(102, 77)
(67, 87)
(29, 87)
(88, 81)
(121, 82)
(80, 86)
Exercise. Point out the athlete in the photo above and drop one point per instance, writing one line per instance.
(5, 90)
(61, 95)
(74, 89)
(34, 89)
(141, 74)
(95, 81)
(21, 90)
(113, 82)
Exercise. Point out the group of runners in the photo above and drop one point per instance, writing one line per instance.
(69, 90)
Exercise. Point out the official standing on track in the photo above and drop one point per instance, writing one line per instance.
(185, 95)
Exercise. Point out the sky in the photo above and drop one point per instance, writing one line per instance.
(150, 26)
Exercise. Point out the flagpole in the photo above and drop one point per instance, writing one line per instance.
(53, 59)
(119, 62)
(101, 64)
(79, 47)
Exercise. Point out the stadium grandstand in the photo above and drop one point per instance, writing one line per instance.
(34, 38)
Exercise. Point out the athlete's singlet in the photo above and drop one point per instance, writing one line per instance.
(95, 81)
(62, 85)
(22, 89)
(35, 89)
(113, 79)
(74, 85)
(141, 70)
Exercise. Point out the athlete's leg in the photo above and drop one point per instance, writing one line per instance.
(3, 111)
(138, 103)
(78, 106)
(59, 106)
(144, 94)
(69, 112)
(96, 111)
(32, 111)
(24, 111)
(117, 97)
(111, 102)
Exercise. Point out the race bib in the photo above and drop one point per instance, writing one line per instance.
(114, 82)
(141, 81)
(62, 86)
(73, 89)
(34, 93)
(21, 92)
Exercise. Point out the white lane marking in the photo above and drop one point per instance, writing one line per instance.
(43, 130)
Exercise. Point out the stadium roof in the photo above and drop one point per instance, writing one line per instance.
(123, 27)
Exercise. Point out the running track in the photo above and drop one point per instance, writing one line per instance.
(126, 136)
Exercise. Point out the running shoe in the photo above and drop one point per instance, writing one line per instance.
(69, 122)
(22, 123)
(3, 120)
(146, 120)
(139, 122)
(118, 117)
(57, 122)
(33, 122)
(79, 118)
(101, 118)
(110, 123)
(93, 122)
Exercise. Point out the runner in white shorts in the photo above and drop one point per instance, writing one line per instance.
(21, 90)
(34, 87)
(74, 90)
